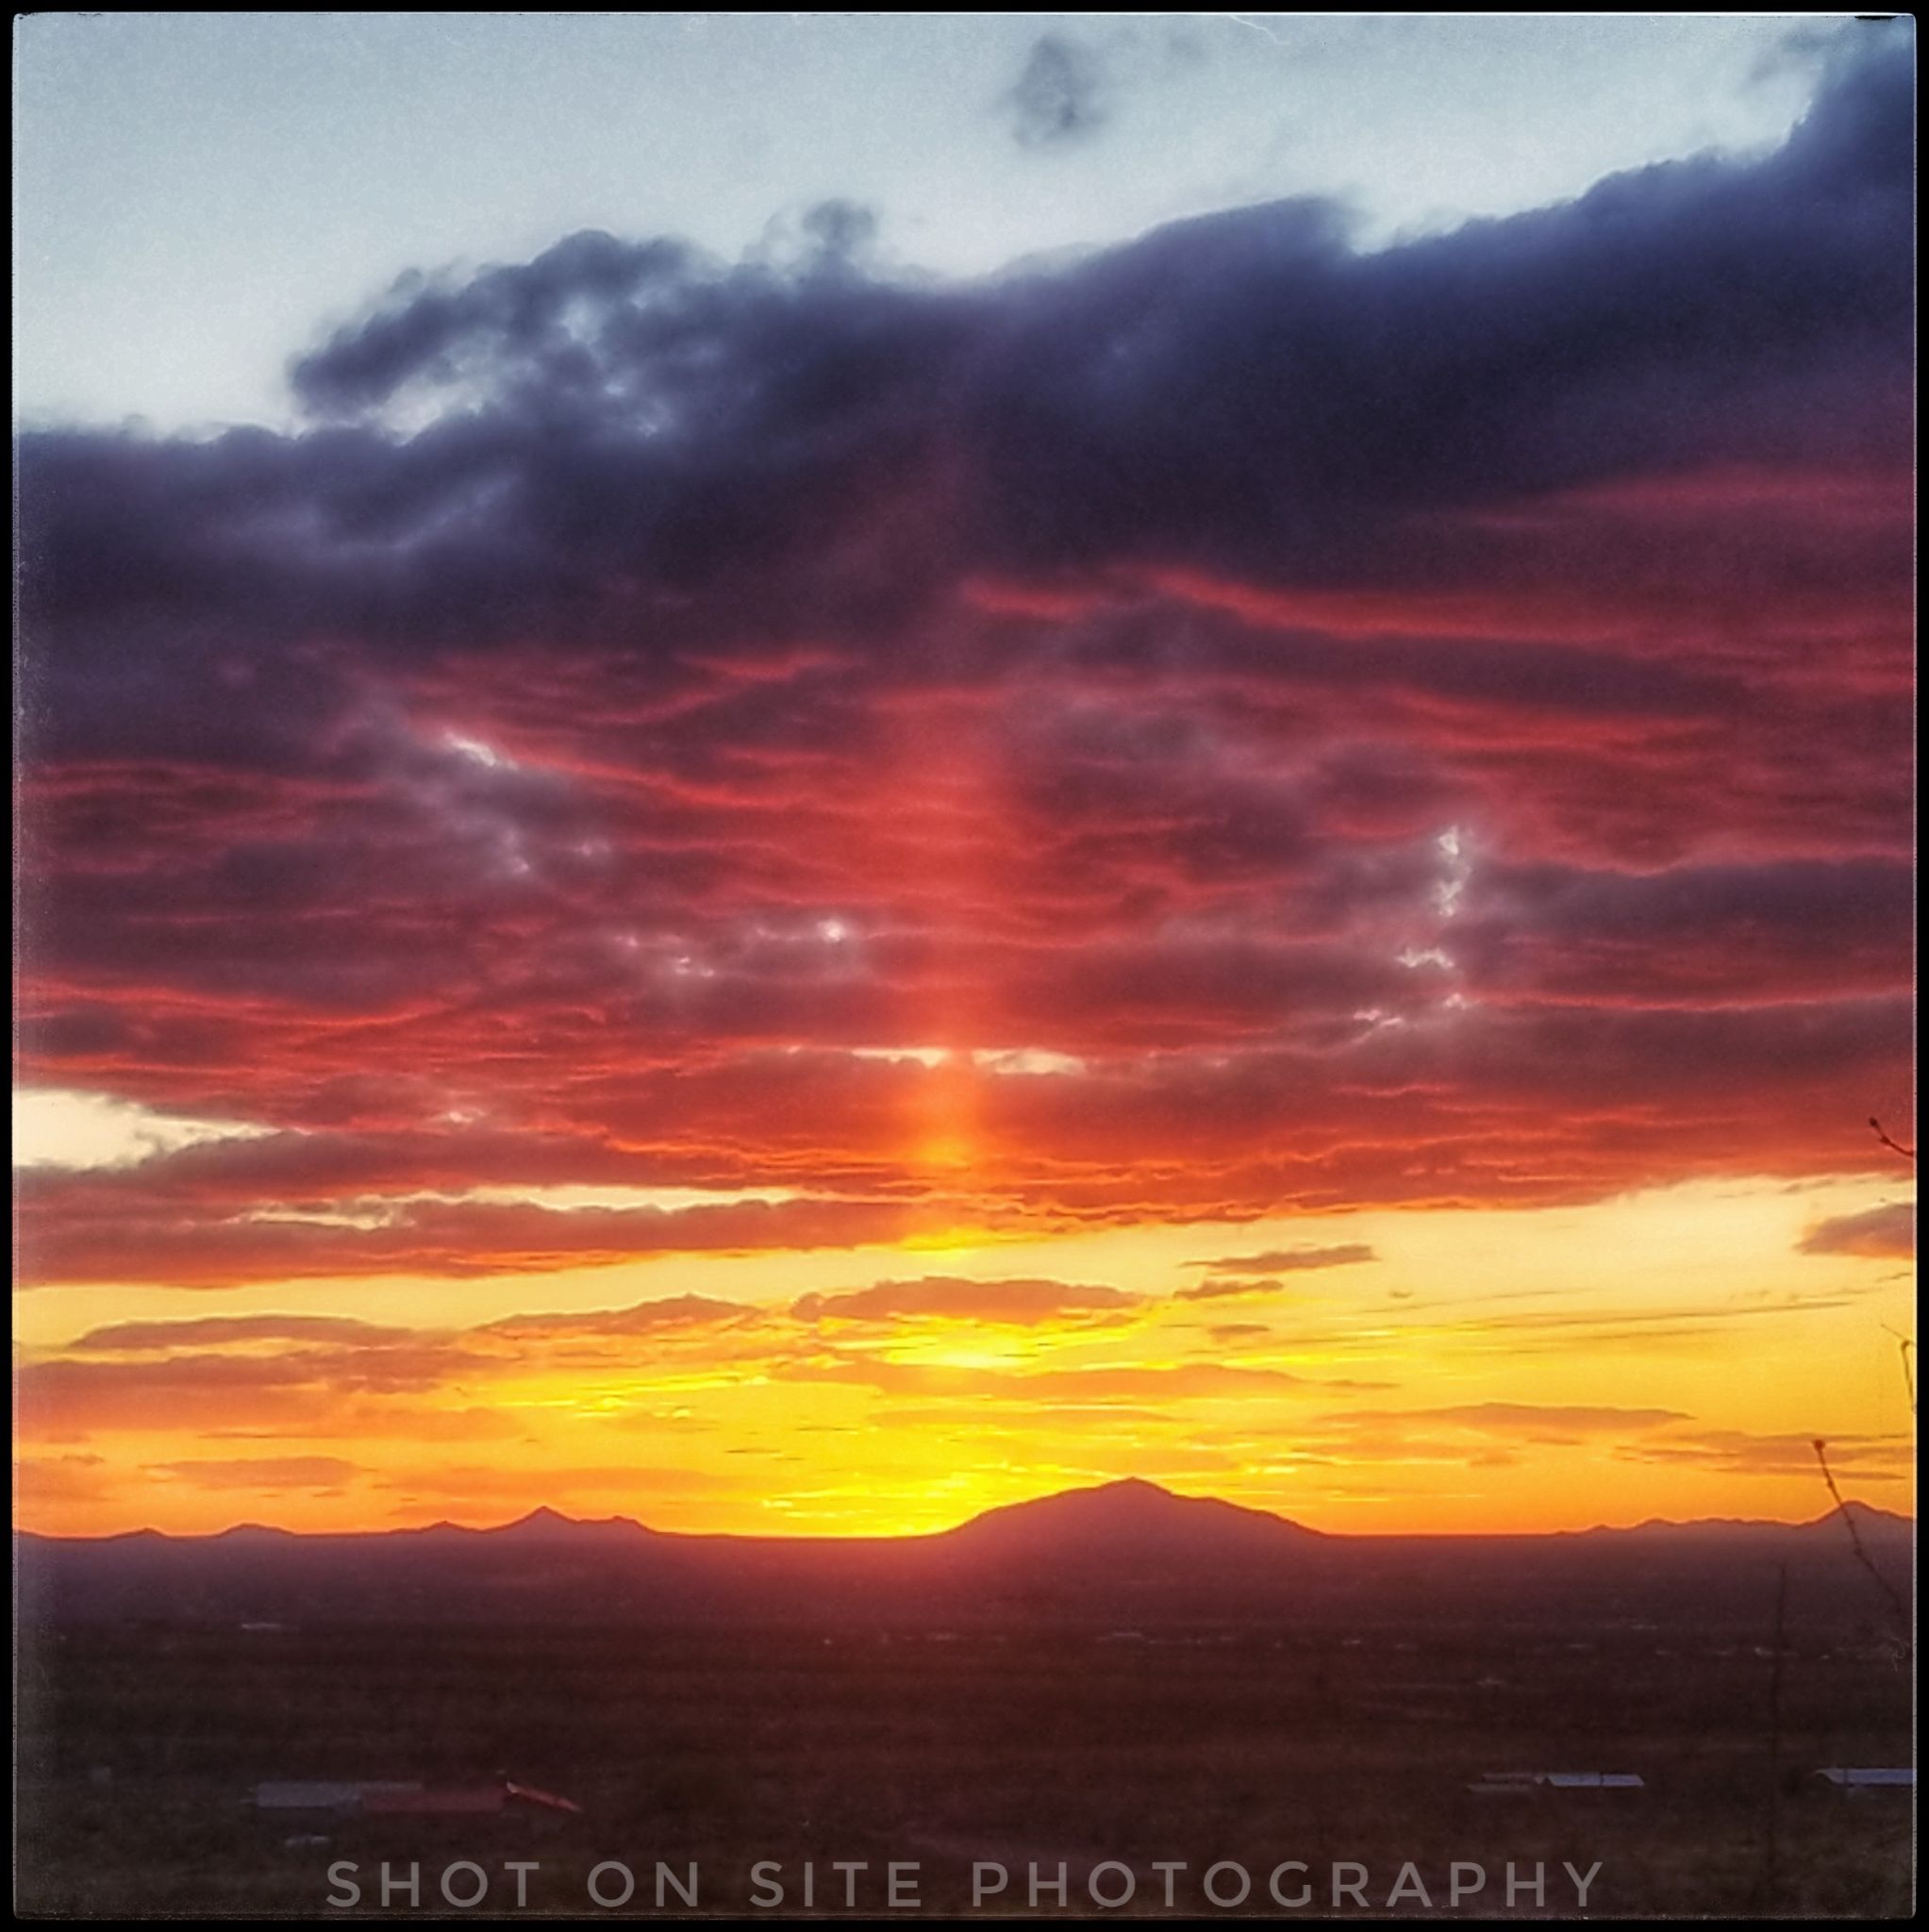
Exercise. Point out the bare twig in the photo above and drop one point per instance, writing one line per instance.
(1894, 1147)
(1907, 1348)
(1862, 1555)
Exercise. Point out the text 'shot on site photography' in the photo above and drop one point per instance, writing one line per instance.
(964, 966)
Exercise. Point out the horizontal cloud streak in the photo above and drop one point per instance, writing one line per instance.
(1287, 1260)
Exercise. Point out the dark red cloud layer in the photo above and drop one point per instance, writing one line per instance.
(1299, 728)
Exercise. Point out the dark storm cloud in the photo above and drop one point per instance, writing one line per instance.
(1245, 385)
(639, 443)
(1691, 933)
(1058, 97)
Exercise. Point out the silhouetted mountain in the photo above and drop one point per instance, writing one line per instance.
(1872, 1524)
(1131, 1519)
(547, 1525)
(1877, 1528)
(1128, 1552)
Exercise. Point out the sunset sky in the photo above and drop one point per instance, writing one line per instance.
(791, 775)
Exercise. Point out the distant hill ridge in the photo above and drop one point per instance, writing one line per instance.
(1128, 1558)
(1866, 1518)
(1130, 1510)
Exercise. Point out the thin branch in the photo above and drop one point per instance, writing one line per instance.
(1908, 1354)
(1862, 1555)
(1894, 1147)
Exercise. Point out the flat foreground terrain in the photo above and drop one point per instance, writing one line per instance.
(1242, 1742)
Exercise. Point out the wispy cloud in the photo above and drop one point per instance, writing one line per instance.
(1879, 1233)
(1276, 1261)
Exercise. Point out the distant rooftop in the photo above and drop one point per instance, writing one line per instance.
(387, 1797)
(1559, 1780)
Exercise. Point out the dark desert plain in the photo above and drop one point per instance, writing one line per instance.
(966, 966)
(1113, 1674)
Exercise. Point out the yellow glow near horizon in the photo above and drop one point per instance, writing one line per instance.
(1669, 1352)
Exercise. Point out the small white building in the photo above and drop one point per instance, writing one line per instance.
(1499, 1784)
(1893, 1779)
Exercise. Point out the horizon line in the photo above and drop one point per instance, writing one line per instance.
(550, 1511)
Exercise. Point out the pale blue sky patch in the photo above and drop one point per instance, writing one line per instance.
(199, 195)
